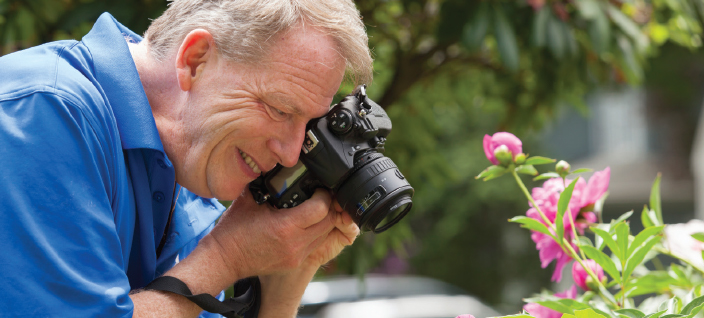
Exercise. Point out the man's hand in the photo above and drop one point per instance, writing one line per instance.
(281, 293)
(260, 239)
(342, 235)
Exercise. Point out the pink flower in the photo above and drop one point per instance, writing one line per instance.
(498, 139)
(584, 195)
(579, 274)
(539, 311)
(465, 316)
(679, 240)
(597, 187)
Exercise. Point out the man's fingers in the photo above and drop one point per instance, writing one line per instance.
(337, 207)
(312, 211)
(347, 227)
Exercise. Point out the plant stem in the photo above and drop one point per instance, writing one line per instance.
(530, 198)
(574, 232)
(658, 264)
(566, 246)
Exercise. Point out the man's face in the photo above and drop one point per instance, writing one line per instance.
(240, 120)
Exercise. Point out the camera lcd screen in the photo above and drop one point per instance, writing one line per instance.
(286, 177)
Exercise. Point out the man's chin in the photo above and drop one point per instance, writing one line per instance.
(229, 193)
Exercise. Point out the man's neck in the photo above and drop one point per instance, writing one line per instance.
(161, 87)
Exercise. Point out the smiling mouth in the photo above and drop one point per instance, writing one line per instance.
(248, 160)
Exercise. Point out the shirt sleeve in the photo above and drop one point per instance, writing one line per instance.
(61, 254)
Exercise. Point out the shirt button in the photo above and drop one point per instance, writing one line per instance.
(161, 163)
(158, 196)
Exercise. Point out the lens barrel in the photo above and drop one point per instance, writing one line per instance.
(376, 195)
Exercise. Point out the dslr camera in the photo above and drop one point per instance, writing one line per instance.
(342, 151)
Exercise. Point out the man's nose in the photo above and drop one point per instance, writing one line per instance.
(288, 146)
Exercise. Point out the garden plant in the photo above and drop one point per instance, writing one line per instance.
(619, 274)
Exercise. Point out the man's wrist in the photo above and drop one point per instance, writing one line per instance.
(282, 293)
(206, 270)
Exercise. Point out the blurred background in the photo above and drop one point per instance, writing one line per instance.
(599, 83)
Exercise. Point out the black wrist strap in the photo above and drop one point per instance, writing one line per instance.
(245, 302)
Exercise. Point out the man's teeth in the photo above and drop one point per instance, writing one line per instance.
(250, 162)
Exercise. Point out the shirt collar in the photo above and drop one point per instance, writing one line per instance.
(116, 72)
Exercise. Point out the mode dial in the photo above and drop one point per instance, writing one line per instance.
(340, 121)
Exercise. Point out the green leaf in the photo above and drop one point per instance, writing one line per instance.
(527, 169)
(631, 313)
(606, 263)
(629, 61)
(491, 170)
(645, 218)
(531, 224)
(583, 240)
(475, 31)
(656, 315)
(627, 25)
(568, 316)
(562, 206)
(671, 306)
(689, 308)
(639, 255)
(572, 46)
(653, 282)
(655, 202)
(624, 216)
(588, 9)
(540, 24)
(505, 40)
(556, 39)
(608, 239)
(600, 32)
(536, 160)
(496, 174)
(587, 313)
(581, 170)
(672, 316)
(643, 236)
(547, 175)
(556, 305)
(622, 232)
(698, 236)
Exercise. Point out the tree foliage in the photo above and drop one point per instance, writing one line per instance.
(448, 71)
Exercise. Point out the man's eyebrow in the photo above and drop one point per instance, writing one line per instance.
(288, 103)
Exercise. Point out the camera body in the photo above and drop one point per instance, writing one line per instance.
(342, 151)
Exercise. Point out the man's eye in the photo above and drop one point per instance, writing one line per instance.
(276, 113)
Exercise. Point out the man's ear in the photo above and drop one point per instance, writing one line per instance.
(197, 48)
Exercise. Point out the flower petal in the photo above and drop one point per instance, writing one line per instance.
(489, 150)
(597, 186)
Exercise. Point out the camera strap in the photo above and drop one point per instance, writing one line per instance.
(244, 303)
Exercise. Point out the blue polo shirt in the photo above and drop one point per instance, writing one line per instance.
(85, 186)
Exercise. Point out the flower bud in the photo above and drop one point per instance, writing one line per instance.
(503, 155)
(562, 167)
(498, 139)
(520, 158)
(582, 278)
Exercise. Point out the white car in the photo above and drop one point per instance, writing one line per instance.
(388, 297)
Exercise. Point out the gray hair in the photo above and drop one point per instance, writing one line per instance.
(242, 28)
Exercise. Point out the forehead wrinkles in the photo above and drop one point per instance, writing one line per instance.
(309, 60)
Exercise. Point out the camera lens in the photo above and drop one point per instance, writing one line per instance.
(376, 195)
(396, 212)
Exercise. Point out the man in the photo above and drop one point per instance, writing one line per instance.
(111, 145)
